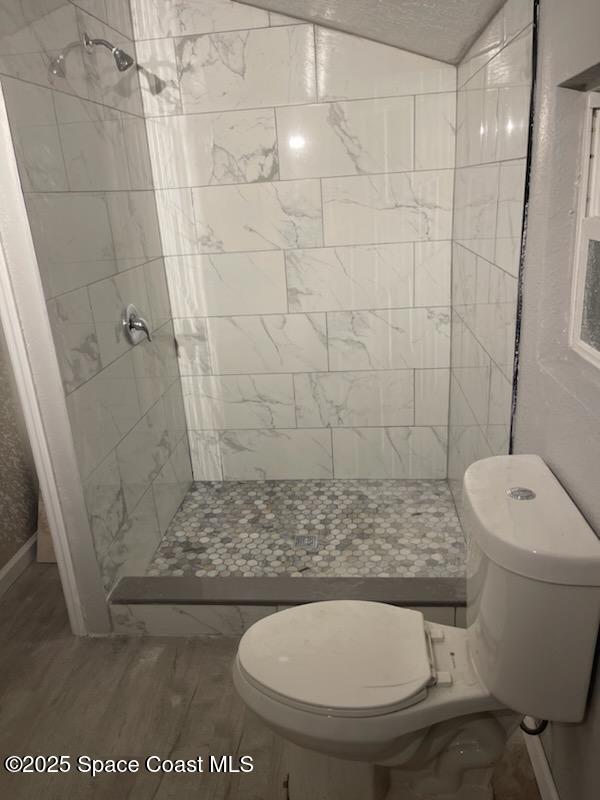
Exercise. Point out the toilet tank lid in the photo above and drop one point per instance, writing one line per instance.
(544, 537)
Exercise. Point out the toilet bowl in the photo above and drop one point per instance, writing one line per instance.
(375, 703)
(370, 682)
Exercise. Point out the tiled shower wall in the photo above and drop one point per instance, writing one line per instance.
(85, 169)
(492, 133)
(304, 184)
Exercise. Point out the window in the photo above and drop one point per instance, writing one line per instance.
(585, 312)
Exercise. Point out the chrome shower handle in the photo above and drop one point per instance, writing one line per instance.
(135, 326)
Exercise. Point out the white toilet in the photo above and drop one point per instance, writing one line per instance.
(377, 704)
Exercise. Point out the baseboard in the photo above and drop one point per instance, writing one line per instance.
(541, 768)
(17, 564)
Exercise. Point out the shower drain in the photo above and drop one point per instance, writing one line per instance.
(307, 541)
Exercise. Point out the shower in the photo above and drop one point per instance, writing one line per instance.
(122, 59)
(58, 64)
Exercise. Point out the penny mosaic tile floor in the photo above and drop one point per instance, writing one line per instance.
(354, 528)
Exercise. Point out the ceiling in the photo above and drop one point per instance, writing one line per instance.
(442, 29)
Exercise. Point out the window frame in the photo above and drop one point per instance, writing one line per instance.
(588, 225)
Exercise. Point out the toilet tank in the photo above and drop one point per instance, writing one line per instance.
(533, 588)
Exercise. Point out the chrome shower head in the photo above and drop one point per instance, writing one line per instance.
(122, 59)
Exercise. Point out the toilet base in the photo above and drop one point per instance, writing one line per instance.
(314, 776)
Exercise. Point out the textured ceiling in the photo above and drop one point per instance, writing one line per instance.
(441, 29)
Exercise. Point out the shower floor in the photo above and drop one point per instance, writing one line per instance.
(316, 528)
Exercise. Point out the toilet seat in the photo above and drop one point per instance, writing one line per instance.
(344, 658)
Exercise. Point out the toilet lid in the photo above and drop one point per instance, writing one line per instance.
(347, 657)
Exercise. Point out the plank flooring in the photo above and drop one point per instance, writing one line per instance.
(131, 698)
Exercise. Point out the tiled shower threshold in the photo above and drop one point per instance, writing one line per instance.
(240, 550)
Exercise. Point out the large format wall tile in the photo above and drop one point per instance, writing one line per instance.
(354, 399)
(350, 67)
(204, 149)
(156, 18)
(435, 122)
(400, 339)
(246, 69)
(75, 336)
(227, 284)
(266, 216)
(273, 343)
(390, 452)
(239, 401)
(330, 139)
(276, 454)
(372, 276)
(401, 207)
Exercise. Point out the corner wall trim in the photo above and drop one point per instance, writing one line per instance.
(17, 564)
(541, 768)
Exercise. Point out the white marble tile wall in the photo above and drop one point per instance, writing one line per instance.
(85, 168)
(491, 148)
(304, 183)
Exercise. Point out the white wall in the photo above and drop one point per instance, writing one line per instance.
(558, 410)
(304, 184)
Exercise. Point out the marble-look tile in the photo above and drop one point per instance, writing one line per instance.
(173, 620)
(159, 80)
(132, 548)
(464, 277)
(143, 452)
(96, 157)
(513, 122)
(435, 130)
(359, 137)
(158, 292)
(350, 67)
(432, 273)
(156, 18)
(517, 15)
(134, 224)
(138, 152)
(510, 215)
(108, 299)
(475, 205)
(485, 47)
(227, 284)
(497, 429)
(76, 109)
(512, 65)
(74, 338)
(398, 339)
(118, 16)
(390, 452)
(193, 352)
(205, 449)
(276, 19)
(399, 207)
(102, 411)
(239, 401)
(176, 220)
(273, 343)
(276, 454)
(172, 484)
(232, 147)
(432, 390)
(265, 216)
(35, 136)
(72, 237)
(175, 414)
(477, 126)
(246, 69)
(105, 504)
(155, 366)
(354, 399)
(344, 278)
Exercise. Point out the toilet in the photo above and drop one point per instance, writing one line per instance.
(375, 703)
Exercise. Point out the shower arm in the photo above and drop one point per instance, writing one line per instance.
(89, 43)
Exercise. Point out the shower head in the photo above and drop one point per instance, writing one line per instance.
(122, 59)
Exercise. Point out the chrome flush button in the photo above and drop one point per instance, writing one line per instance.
(520, 493)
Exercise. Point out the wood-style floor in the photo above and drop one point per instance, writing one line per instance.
(132, 698)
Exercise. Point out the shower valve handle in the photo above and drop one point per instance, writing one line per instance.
(135, 326)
